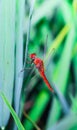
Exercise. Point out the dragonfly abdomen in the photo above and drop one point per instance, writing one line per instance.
(46, 81)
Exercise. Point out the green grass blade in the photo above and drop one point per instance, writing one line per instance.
(75, 49)
(7, 46)
(16, 119)
(65, 9)
(74, 103)
(46, 9)
(60, 76)
(20, 14)
(75, 68)
(56, 43)
(68, 123)
(28, 30)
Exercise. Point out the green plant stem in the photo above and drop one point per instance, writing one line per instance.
(26, 115)
(28, 32)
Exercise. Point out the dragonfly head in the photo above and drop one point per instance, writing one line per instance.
(33, 56)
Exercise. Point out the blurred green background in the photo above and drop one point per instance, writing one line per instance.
(53, 37)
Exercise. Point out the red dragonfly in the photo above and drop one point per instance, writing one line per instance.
(40, 66)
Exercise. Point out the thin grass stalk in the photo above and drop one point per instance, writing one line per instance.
(37, 110)
(34, 124)
(46, 9)
(28, 31)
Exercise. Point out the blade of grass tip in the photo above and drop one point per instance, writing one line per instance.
(38, 109)
(56, 43)
(28, 31)
(60, 76)
(7, 46)
(20, 7)
(16, 119)
(2, 128)
(46, 9)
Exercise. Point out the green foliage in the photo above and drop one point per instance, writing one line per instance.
(58, 20)
(16, 119)
(37, 110)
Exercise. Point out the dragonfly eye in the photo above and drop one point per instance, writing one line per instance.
(33, 56)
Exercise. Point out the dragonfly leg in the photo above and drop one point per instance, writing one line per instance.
(29, 88)
(27, 68)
